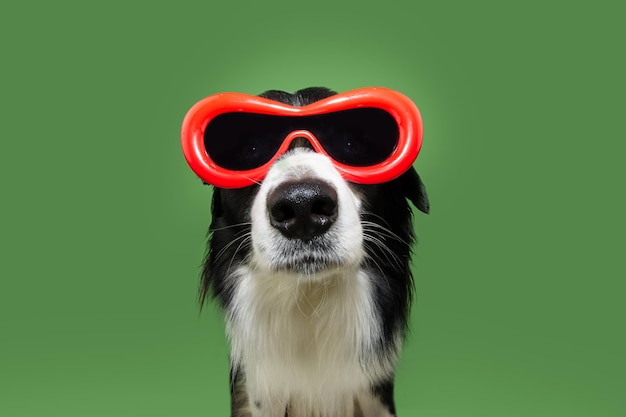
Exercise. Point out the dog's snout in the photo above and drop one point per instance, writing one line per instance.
(302, 210)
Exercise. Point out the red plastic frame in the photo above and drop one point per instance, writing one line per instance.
(400, 107)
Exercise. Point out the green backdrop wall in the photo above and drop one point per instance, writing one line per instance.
(519, 268)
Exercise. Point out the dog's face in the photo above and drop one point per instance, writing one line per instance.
(306, 220)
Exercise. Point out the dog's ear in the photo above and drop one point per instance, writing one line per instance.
(415, 190)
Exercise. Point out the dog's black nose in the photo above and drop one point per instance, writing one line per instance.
(302, 210)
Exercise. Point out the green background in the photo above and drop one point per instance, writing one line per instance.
(519, 270)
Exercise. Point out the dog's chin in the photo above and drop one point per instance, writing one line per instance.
(311, 269)
(309, 261)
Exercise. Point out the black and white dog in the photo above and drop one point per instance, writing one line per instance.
(313, 275)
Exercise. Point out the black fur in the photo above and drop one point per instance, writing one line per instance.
(385, 204)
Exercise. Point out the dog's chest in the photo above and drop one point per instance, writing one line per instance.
(306, 343)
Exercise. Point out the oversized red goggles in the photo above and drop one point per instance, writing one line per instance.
(372, 135)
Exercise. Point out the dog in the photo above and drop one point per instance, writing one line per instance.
(312, 273)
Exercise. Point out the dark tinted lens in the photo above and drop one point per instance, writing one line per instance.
(242, 141)
(357, 137)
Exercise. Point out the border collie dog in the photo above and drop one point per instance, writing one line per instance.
(313, 275)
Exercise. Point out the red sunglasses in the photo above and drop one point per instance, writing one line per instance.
(372, 135)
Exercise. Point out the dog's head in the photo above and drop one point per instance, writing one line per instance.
(306, 220)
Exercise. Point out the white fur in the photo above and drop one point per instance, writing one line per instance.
(305, 341)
